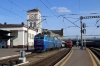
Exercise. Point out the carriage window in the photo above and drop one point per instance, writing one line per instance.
(41, 37)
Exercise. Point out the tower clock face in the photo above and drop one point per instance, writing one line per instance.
(31, 16)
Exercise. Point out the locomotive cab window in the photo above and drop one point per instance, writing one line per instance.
(42, 37)
(36, 37)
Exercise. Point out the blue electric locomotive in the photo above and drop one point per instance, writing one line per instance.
(44, 42)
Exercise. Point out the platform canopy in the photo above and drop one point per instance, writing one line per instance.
(3, 35)
(4, 32)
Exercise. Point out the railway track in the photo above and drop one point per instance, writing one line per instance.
(14, 60)
(96, 51)
(51, 60)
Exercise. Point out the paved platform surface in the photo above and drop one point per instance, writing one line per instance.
(79, 58)
(11, 51)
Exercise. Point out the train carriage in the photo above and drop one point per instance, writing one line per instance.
(69, 43)
(44, 42)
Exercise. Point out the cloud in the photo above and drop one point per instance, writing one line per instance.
(93, 12)
(88, 12)
(63, 9)
(60, 9)
(53, 8)
(84, 12)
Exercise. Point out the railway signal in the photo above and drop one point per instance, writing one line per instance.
(84, 25)
(84, 31)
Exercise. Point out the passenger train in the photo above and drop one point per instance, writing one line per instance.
(69, 43)
(43, 43)
(93, 43)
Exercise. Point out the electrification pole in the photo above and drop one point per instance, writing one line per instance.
(81, 31)
(84, 30)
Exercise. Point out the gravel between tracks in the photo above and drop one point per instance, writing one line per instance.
(39, 57)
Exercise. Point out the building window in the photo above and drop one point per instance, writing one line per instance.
(34, 24)
(36, 30)
(33, 36)
(28, 35)
(30, 24)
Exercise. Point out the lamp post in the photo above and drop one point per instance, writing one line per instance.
(27, 36)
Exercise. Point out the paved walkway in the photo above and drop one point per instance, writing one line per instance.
(11, 51)
(79, 58)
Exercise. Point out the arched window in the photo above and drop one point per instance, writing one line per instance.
(30, 24)
(34, 24)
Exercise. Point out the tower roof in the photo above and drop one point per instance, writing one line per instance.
(34, 10)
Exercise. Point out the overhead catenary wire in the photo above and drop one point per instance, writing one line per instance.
(50, 11)
(97, 21)
(24, 9)
(63, 22)
(72, 22)
(55, 15)
(17, 5)
(51, 6)
(47, 23)
(8, 16)
(95, 28)
(93, 31)
(41, 21)
(12, 12)
(55, 11)
(76, 21)
(11, 6)
(63, 16)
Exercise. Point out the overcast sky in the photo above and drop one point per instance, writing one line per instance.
(15, 11)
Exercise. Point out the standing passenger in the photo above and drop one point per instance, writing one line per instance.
(77, 44)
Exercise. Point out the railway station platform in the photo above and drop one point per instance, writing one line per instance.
(79, 57)
(11, 52)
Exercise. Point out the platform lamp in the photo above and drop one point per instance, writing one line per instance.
(27, 36)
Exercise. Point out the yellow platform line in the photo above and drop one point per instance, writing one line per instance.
(67, 58)
(93, 61)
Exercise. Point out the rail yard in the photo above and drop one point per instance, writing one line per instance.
(50, 58)
(49, 33)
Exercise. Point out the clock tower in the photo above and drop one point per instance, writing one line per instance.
(34, 19)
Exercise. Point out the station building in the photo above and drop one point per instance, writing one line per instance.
(21, 31)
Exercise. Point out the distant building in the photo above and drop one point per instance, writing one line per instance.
(60, 32)
(54, 33)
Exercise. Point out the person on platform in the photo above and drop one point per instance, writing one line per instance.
(77, 44)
